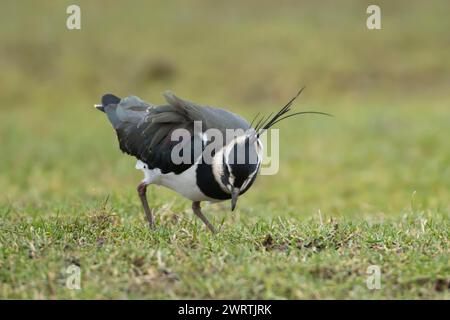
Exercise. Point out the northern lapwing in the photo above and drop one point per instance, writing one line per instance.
(145, 131)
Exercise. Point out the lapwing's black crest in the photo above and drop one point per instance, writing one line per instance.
(265, 123)
(145, 131)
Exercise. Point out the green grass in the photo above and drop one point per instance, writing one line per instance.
(370, 186)
(250, 258)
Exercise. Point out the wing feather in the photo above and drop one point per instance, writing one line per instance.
(144, 130)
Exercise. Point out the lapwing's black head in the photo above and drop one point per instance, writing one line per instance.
(241, 159)
(237, 165)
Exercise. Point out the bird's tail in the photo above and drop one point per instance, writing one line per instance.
(107, 99)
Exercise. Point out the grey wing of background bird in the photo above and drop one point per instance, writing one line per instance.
(145, 130)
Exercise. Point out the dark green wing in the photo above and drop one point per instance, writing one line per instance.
(145, 130)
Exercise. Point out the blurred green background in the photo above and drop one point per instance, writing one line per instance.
(388, 90)
(369, 186)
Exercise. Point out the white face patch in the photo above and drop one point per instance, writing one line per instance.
(217, 169)
(223, 153)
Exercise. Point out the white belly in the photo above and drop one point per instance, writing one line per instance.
(183, 183)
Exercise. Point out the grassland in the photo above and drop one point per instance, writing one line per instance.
(370, 186)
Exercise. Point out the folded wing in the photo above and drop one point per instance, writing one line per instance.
(144, 130)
